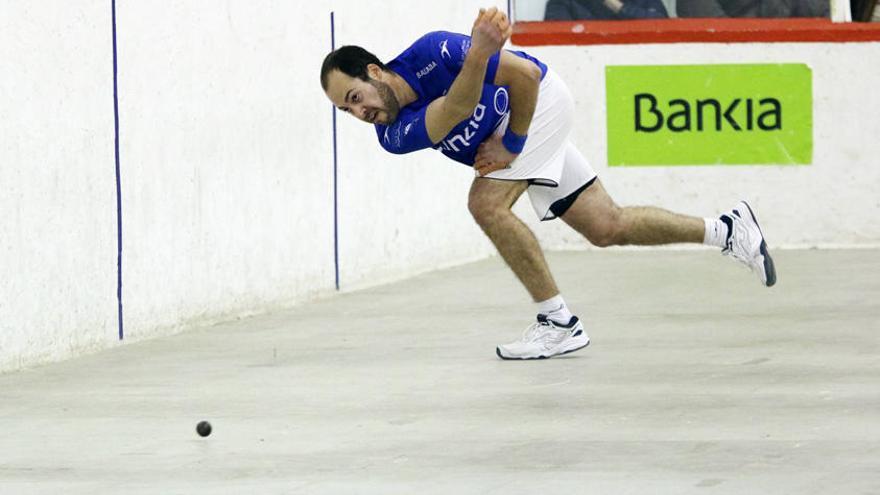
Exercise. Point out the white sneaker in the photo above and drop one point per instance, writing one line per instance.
(546, 338)
(745, 243)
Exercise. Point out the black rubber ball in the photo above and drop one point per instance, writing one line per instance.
(203, 428)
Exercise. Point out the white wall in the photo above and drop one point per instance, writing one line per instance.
(226, 160)
(57, 185)
(226, 163)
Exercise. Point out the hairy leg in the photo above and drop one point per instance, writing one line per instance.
(489, 202)
(595, 215)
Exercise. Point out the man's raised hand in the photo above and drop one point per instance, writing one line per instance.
(491, 31)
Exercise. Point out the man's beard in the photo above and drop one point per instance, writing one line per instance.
(389, 101)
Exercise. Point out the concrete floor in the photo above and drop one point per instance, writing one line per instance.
(698, 380)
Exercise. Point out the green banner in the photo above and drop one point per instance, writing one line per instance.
(709, 114)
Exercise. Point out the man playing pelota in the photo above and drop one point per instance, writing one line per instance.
(509, 116)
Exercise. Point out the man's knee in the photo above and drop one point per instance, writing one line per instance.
(610, 231)
(490, 201)
(485, 211)
(604, 238)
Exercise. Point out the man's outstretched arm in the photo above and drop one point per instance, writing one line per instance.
(491, 30)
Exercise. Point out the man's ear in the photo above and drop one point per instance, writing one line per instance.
(374, 71)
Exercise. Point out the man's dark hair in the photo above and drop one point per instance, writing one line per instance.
(351, 60)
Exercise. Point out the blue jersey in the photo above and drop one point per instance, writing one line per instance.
(430, 66)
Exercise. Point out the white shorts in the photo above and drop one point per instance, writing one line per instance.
(549, 161)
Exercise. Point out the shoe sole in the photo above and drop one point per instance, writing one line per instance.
(769, 267)
(498, 353)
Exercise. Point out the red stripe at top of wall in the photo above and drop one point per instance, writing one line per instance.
(691, 31)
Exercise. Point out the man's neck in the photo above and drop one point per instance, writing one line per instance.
(402, 90)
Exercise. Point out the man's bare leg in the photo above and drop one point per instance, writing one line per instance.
(603, 223)
(595, 215)
(490, 202)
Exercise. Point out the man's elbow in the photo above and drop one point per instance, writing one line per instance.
(529, 75)
(534, 73)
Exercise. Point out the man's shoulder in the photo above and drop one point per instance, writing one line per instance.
(432, 45)
(435, 38)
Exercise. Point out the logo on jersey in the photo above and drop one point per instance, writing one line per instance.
(463, 139)
(426, 70)
(465, 47)
(501, 101)
(444, 50)
(396, 142)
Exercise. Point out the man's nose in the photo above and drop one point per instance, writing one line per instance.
(362, 111)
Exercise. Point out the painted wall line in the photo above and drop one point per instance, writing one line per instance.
(118, 183)
(335, 176)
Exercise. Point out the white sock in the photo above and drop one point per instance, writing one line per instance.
(716, 232)
(555, 309)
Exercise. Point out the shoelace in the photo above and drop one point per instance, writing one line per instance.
(533, 330)
(738, 237)
(544, 333)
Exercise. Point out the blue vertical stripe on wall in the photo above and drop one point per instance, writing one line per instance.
(118, 187)
(335, 188)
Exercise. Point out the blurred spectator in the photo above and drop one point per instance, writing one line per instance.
(863, 10)
(564, 10)
(753, 8)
